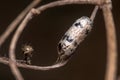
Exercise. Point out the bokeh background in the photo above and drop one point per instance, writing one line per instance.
(44, 33)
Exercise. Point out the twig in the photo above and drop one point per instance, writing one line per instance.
(92, 17)
(12, 63)
(14, 24)
(111, 43)
(6, 61)
(18, 32)
(111, 38)
(66, 2)
(13, 43)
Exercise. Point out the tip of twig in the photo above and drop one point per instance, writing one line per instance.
(92, 17)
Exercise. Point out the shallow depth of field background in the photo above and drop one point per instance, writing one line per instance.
(44, 33)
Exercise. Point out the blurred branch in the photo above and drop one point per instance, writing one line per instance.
(111, 42)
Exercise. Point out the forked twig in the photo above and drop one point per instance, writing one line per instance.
(14, 24)
(110, 29)
(18, 32)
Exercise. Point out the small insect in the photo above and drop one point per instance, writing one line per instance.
(27, 51)
(73, 37)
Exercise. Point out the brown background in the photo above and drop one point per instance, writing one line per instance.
(45, 31)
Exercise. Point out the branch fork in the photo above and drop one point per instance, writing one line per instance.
(106, 6)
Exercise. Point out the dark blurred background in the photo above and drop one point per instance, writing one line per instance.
(44, 33)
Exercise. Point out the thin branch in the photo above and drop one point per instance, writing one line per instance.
(92, 17)
(14, 24)
(12, 60)
(57, 65)
(111, 43)
(6, 61)
(17, 34)
(111, 38)
(67, 2)
(24, 23)
(30, 15)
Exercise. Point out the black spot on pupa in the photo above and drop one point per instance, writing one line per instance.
(78, 24)
(59, 47)
(65, 47)
(87, 31)
(64, 37)
(75, 43)
(69, 39)
(62, 53)
(71, 50)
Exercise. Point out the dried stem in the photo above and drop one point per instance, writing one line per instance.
(110, 29)
(12, 60)
(66, 2)
(14, 24)
(111, 43)
(18, 32)
(13, 45)
(92, 17)
(6, 61)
